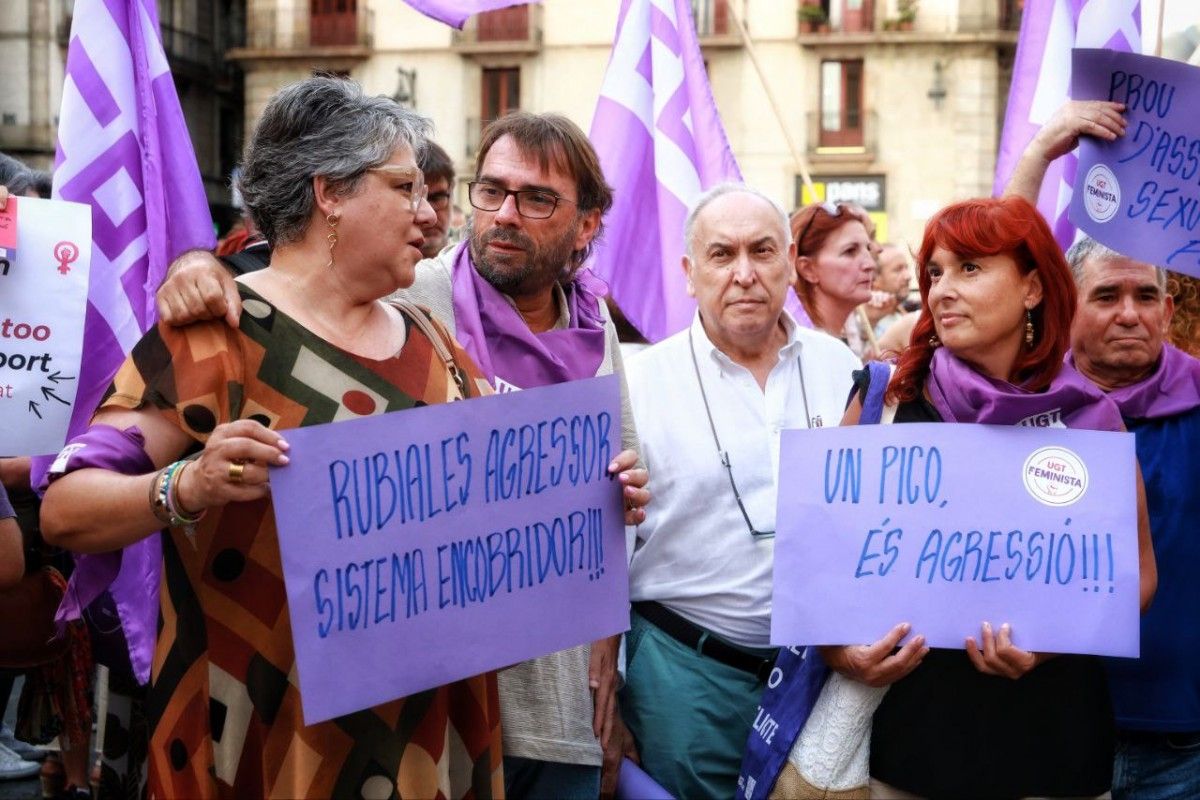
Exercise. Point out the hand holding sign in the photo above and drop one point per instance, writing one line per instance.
(1140, 194)
(907, 522)
(450, 540)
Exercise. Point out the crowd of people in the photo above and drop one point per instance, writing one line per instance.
(348, 255)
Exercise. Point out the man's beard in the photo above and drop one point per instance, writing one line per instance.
(534, 269)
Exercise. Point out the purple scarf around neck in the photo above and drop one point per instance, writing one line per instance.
(961, 394)
(493, 332)
(1173, 388)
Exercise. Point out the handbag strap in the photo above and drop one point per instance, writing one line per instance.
(437, 336)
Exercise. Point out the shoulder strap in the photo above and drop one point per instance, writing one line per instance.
(437, 337)
(247, 261)
(874, 411)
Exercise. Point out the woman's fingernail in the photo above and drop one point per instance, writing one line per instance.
(283, 460)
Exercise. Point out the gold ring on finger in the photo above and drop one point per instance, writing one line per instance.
(235, 471)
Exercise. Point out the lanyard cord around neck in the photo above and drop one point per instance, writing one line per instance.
(724, 454)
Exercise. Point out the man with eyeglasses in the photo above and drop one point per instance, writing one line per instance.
(438, 170)
(710, 403)
(516, 297)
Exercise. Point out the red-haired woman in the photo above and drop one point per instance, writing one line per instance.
(995, 720)
(834, 263)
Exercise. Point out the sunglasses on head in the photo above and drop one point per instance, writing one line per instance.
(832, 209)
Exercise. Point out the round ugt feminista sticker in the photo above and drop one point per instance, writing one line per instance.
(1055, 476)
(1101, 193)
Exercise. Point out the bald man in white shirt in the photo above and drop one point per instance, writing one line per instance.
(710, 403)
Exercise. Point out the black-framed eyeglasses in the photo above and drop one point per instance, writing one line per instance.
(832, 209)
(531, 203)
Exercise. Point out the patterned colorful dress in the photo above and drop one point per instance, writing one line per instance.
(224, 700)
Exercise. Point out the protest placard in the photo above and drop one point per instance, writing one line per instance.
(949, 526)
(1140, 194)
(45, 252)
(428, 545)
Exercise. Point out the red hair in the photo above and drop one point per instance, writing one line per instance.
(814, 224)
(987, 227)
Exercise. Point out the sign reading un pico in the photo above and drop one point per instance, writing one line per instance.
(891, 523)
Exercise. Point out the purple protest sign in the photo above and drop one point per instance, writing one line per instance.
(428, 545)
(1140, 195)
(907, 523)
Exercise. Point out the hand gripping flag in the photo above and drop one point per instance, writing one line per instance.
(1041, 78)
(455, 12)
(661, 144)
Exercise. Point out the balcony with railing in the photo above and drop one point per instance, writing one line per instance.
(337, 34)
(837, 17)
(833, 23)
(507, 31)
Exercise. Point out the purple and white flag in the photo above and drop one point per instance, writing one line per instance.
(455, 12)
(123, 149)
(661, 144)
(1042, 77)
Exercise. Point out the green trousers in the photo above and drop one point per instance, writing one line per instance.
(690, 715)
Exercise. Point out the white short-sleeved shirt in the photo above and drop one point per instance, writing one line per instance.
(694, 553)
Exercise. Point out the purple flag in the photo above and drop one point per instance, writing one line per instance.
(1041, 77)
(661, 144)
(455, 12)
(123, 149)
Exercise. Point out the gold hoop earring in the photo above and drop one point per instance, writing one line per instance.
(332, 237)
(1028, 328)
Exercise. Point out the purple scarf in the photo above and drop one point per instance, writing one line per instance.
(507, 352)
(129, 576)
(961, 394)
(1173, 388)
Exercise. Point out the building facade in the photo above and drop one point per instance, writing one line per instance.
(894, 103)
(196, 35)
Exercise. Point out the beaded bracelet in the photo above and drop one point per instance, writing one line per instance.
(159, 509)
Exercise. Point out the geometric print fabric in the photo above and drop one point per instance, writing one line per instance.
(224, 701)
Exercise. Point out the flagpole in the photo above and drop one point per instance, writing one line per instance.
(801, 164)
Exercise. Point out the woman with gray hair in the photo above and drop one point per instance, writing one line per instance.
(184, 437)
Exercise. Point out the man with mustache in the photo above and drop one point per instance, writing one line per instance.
(515, 296)
(1117, 341)
(710, 403)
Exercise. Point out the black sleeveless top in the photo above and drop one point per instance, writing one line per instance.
(947, 730)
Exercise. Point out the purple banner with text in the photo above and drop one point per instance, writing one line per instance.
(429, 545)
(1140, 195)
(949, 526)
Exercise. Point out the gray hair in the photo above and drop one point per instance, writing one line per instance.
(721, 189)
(323, 126)
(1086, 248)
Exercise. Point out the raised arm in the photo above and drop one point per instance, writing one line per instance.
(1059, 136)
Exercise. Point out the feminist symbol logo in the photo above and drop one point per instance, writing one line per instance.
(65, 254)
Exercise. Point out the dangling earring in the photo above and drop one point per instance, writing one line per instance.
(332, 237)
(935, 342)
(1028, 328)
